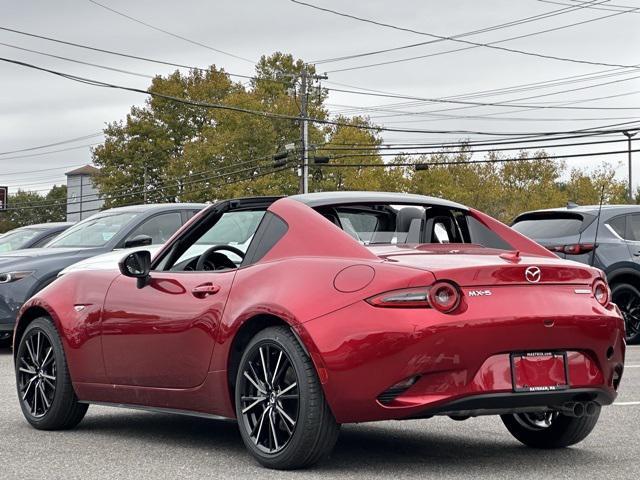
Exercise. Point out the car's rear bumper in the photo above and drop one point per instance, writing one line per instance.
(363, 352)
(500, 403)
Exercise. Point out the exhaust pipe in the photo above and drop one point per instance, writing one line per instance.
(591, 409)
(573, 409)
(579, 409)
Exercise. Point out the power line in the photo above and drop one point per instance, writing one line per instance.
(491, 45)
(122, 54)
(513, 141)
(150, 76)
(521, 21)
(183, 177)
(528, 108)
(55, 144)
(154, 189)
(460, 162)
(501, 91)
(274, 115)
(63, 167)
(478, 104)
(41, 154)
(81, 62)
(378, 149)
(609, 7)
(191, 67)
(167, 32)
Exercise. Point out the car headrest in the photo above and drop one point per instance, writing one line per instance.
(406, 216)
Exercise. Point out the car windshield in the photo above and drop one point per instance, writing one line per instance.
(17, 239)
(95, 231)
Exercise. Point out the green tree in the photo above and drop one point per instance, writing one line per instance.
(351, 167)
(586, 188)
(193, 153)
(27, 208)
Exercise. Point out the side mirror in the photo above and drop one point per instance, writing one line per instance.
(137, 265)
(138, 241)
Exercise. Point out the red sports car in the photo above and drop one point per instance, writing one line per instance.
(295, 315)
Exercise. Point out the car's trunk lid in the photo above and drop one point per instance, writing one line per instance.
(473, 265)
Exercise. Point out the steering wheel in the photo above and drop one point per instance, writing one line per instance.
(205, 257)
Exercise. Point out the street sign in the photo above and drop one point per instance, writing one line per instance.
(4, 194)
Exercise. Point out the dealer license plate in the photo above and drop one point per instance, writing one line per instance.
(539, 371)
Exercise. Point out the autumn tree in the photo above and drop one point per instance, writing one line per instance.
(27, 208)
(193, 153)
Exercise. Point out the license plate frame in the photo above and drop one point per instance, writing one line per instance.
(539, 354)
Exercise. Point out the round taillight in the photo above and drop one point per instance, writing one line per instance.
(601, 292)
(444, 297)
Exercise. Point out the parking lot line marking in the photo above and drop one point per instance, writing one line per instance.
(626, 404)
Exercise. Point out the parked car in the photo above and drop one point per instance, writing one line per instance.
(107, 261)
(33, 236)
(307, 312)
(24, 272)
(571, 234)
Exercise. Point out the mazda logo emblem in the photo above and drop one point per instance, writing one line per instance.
(532, 274)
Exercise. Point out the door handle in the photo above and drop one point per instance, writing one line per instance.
(204, 290)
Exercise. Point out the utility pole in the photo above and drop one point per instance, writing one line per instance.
(145, 184)
(629, 135)
(304, 133)
(305, 78)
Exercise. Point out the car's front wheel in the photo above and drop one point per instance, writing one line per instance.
(46, 394)
(284, 419)
(550, 429)
(627, 297)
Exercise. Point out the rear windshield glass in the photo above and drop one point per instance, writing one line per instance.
(549, 226)
(375, 224)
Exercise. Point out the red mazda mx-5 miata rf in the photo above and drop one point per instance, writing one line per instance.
(295, 315)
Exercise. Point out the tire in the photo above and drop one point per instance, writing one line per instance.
(276, 353)
(42, 378)
(627, 297)
(563, 431)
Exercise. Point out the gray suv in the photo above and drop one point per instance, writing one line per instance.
(571, 233)
(25, 272)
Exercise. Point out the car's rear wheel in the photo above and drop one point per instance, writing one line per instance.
(627, 297)
(550, 429)
(284, 419)
(45, 391)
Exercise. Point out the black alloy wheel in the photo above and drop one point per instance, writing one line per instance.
(37, 374)
(627, 297)
(284, 420)
(44, 387)
(269, 397)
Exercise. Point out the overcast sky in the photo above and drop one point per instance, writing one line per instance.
(37, 108)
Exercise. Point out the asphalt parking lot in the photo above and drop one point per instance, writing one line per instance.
(126, 444)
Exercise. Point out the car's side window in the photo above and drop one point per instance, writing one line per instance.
(619, 225)
(218, 243)
(633, 227)
(159, 227)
